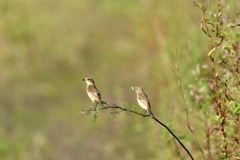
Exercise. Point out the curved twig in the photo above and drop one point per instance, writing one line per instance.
(174, 136)
(114, 106)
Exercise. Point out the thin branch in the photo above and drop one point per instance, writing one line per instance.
(174, 136)
(177, 73)
(114, 106)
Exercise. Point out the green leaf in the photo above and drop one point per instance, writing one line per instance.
(228, 34)
(236, 109)
(237, 36)
(217, 33)
(211, 52)
(230, 131)
(233, 52)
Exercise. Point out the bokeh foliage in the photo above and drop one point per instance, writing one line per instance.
(47, 47)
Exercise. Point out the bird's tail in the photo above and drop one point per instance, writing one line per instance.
(102, 101)
(150, 112)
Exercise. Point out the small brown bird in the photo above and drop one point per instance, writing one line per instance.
(92, 91)
(142, 99)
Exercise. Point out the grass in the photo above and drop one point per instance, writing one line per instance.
(48, 47)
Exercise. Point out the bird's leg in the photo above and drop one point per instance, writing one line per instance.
(95, 106)
(140, 110)
(146, 112)
(90, 109)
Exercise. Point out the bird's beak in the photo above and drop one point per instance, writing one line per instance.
(83, 79)
(133, 88)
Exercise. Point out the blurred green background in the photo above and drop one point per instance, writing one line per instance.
(47, 47)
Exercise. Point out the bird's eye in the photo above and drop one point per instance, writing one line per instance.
(88, 79)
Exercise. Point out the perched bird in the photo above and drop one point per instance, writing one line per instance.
(92, 91)
(142, 99)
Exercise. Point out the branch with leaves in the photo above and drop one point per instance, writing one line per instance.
(224, 90)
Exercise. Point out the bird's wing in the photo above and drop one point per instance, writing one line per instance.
(149, 106)
(94, 91)
(144, 99)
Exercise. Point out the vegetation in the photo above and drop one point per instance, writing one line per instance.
(190, 73)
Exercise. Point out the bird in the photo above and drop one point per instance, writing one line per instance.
(92, 91)
(142, 100)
